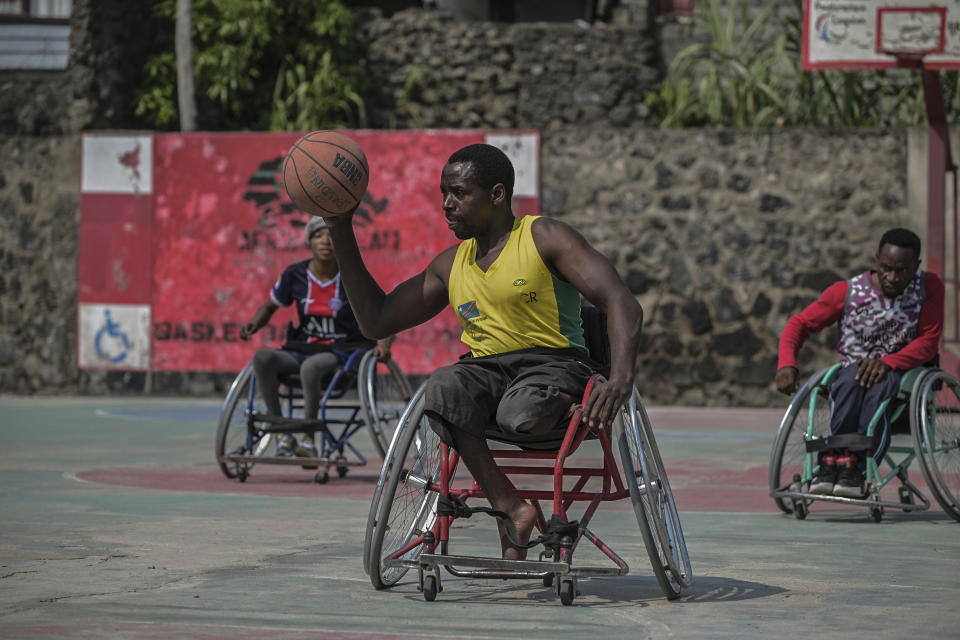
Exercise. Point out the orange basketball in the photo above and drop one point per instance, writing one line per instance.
(325, 173)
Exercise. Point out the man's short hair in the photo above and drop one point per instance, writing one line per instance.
(491, 165)
(901, 237)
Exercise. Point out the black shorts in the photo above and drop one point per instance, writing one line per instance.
(500, 395)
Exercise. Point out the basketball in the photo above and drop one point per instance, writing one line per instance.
(325, 173)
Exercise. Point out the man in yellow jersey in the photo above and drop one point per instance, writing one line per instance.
(515, 285)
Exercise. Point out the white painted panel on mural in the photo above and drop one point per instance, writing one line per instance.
(117, 164)
(114, 336)
(524, 152)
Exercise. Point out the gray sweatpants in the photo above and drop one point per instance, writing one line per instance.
(270, 364)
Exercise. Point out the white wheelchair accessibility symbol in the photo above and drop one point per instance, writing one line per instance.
(111, 342)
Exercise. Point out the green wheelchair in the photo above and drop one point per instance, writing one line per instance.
(925, 424)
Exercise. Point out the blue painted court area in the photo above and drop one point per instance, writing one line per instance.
(118, 524)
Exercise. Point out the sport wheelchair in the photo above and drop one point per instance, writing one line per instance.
(927, 407)
(416, 500)
(363, 392)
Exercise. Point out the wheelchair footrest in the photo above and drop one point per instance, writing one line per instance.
(281, 424)
(864, 502)
(841, 441)
(510, 569)
(534, 567)
(291, 460)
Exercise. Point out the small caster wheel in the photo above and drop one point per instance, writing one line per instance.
(342, 471)
(568, 590)
(797, 485)
(800, 510)
(876, 514)
(322, 477)
(906, 496)
(430, 587)
(548, 580)
(242, 475)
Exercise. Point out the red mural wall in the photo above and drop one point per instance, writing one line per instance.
(223, 229)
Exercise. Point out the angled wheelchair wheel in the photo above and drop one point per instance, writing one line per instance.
(237, 435)
(935, 425)
(384, 394)
(408, 501)
(652, 499)
(809, 411)
(415, 404)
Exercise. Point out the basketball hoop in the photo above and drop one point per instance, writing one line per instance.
(909, 34)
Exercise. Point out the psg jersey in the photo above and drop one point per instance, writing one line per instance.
(322, 307)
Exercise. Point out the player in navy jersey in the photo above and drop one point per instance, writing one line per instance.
(325, 317)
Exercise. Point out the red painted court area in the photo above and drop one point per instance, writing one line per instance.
(698, 484)
(713, 465)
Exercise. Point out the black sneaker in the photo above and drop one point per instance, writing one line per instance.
(849, 479)
(826, 477)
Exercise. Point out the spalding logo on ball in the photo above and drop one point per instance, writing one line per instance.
(325, 173)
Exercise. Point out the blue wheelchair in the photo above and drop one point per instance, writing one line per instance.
(363, 393)
(925, 419)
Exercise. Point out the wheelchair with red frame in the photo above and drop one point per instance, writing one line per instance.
(362, 393)
(417, 498)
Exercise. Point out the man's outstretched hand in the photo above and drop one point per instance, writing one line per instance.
(786, 380)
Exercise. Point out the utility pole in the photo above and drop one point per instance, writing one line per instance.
(184, 51)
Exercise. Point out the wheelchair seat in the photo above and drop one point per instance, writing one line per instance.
(594, 323)
(926, 406)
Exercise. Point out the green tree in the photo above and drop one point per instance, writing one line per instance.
(747, 73)
(260, 64)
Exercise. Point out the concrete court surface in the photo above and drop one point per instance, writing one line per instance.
(116, 523)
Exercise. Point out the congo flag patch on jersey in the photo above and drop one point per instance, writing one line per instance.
(468, 310)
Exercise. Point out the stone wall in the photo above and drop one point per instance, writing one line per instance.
(721, 234)
(428, 71)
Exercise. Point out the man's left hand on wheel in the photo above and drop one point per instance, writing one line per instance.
(605, 400)
(871, 371)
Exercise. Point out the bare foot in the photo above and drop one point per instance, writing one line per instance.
(524, 518)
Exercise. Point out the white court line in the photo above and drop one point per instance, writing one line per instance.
(72, 475)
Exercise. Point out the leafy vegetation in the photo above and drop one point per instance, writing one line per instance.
(260, 64)
(747, 73)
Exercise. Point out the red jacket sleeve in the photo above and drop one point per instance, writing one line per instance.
(818, 316)
(924, 347)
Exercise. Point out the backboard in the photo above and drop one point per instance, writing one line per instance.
(877, 34)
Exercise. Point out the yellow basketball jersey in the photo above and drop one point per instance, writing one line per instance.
(517, 303)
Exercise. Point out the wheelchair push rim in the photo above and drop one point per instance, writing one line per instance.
(408, 502)
(415, 404)
(935, 424)
(384, 394)
(234, 434)
(788, 457)
(652, 499)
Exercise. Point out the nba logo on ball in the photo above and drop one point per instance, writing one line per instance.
(325, 173)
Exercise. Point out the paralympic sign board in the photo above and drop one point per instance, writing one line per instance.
(182, 235)
(870, 34)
